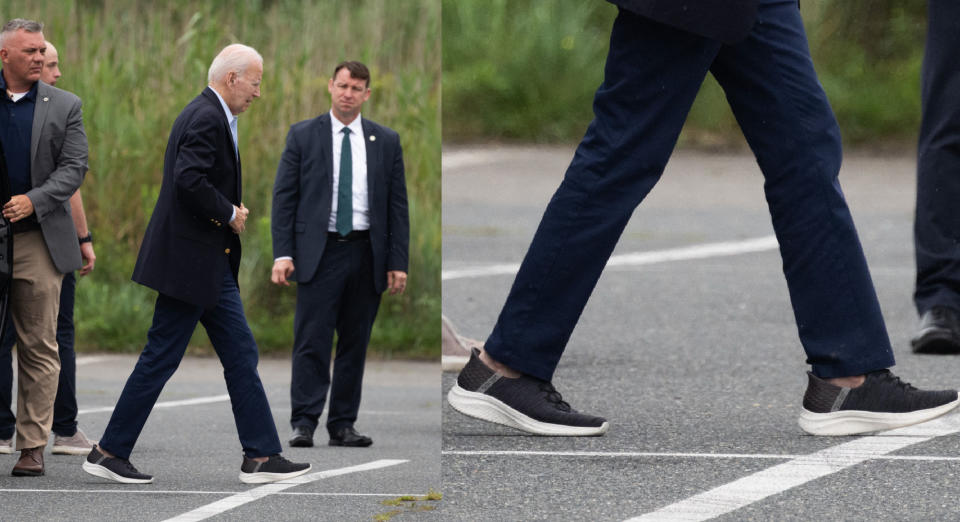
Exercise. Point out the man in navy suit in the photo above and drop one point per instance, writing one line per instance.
(340, 228)
(937, 223)
(191, 255)
(660, 52)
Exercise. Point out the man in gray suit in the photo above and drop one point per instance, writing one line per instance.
(41, 128)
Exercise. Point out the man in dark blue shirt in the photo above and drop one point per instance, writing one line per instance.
(41, 129)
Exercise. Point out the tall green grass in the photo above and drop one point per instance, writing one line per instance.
(526, 70)
(136, 64)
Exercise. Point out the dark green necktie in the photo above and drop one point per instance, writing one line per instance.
(345, 189)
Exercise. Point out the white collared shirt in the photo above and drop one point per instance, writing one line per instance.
(232, 121)
(358, 149)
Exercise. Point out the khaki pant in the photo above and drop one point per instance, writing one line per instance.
(34, 303)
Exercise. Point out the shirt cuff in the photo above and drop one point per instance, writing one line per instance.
(233, 214)
(282, 258)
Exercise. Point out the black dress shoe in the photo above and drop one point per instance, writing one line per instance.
(939, 332)
(349, 437)
(302, 437)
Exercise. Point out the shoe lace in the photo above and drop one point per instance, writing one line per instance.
(129, 466)
(554, 397)
(896, 381)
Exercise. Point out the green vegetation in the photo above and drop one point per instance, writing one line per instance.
(409, 504)
(136, 64)
(525, 70)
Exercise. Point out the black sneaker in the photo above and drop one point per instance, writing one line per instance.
(882, 402)
(939, 332)
(113, 468)
(525, 403)
(273, 469)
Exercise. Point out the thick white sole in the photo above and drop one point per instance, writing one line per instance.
(264, 478)
(102, 472)
(491, 409)
(70, 450)
(856, 422)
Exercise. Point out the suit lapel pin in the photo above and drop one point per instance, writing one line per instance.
(46, 98)
(373, 138)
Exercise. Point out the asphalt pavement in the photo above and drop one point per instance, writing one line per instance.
(690, 351)
(190, 446)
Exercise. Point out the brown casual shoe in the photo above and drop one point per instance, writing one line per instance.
(30, 463)
(78, 444)
(6, 446)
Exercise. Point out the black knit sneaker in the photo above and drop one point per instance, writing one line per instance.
(273, 469)
(525, 403)
(882, 402)
(113, 468)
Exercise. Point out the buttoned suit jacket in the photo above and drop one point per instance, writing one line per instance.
(728, 21)
(303, 198)
(58, 163)
(189, 234)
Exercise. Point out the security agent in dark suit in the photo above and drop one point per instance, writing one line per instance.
(348, 242)
(190, 255)
(937, 224)
(660, 52)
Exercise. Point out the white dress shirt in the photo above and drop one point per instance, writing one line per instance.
(232, 120)
(358, 149)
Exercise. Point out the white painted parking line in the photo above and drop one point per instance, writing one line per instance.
(800, 470)
(239, 499)
(706, 250)
(167, 404)
(225, 398)
(679, 455)
(90, 359)
(125, 491)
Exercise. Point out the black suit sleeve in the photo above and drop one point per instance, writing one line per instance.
(196, 156)
(285, 199)
(398, 218)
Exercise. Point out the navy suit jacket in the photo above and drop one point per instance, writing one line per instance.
(728, 21)
(303, 198)
(189, 232)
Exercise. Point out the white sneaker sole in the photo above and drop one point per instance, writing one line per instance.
(855, 422)
(491, 409)
(6, 450)
(71, 450)
(102, 472)
(264, 478)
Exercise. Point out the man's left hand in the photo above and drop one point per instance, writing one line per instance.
(396, 281)
(86, 251)
(19, 207)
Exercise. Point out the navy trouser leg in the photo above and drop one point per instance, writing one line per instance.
(314, 323)
(652, 75)
(173, 324)
(65, 405)
(773, 90)
(230, 335)
(8, 420)
(358, 309)
(937, 225)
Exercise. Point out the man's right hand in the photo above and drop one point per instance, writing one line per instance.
(282, 268)
(240, 219)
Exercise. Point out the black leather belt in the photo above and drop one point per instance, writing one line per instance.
(355, 235)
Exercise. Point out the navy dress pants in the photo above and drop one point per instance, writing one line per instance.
(652, 75)
(340, 298)
(173, 324)
(65, 405)
(937, 224)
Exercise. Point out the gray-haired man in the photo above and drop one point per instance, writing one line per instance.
(41, 128)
